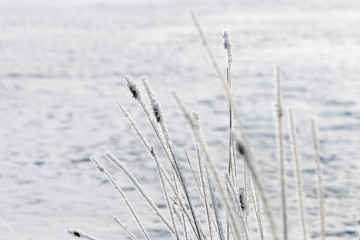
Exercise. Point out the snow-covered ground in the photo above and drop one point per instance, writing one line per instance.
(62, 65)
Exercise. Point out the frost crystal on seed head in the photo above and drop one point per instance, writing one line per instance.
(196, 118)
(227, 46)
(132, 86)
(156, 109)
(241, 147)
(226, 42)
(242, 200)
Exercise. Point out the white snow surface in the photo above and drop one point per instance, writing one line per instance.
(62, 66)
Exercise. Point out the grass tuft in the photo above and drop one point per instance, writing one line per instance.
(229, 203)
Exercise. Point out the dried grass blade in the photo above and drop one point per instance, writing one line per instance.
(121, 166)
(214, 172)
(80, 234)
(280, 143)
(126, 229)
(298, 177)
(319, 179)
(118, 189)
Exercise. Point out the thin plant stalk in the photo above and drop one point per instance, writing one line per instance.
(161, 171)
(252, 165)
(184, 211)
(280, 143)
(185, 229)
(146, 144)
(246, 190)
(204, 189)
(193, 174)
(214, 172)
(16, 235)
(232, 162)
(298, 177)
(126, 229)
(149, 149)
(356, 228)
(206, 45)
(257, 209)
(198, 229)
(137, 95)
(233, 195)
(121, 166)
(237, 118)
(220, 230)
(80, 234)
(118, 189)
(166, 141)
(206, 181)
(319, 179)
(157, 110)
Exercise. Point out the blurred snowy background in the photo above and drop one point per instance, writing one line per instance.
(62, 65)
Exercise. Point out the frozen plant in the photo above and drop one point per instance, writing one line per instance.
(227, 199)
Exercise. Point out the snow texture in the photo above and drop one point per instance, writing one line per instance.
(62, 65)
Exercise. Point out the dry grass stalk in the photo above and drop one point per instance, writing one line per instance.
(122, 194)
(259, 182)
(256, 202)
(280, 142)
(319, 179)
(297, 174)
(161, 171)
(80, 234)
(15, 234)
(185, 222)
(236, 114)
(121, 166)
(126, 229)
(214, 172)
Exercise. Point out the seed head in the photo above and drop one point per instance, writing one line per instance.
(241, 148)
(157, 111)
(226, 43)
(132, 86)
(242, 200)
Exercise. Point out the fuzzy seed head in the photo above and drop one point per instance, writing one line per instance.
(242, 200)
(226, 43)
(227, 46)
(132, 86)
(241, 148)
(279, 110)
(157, 111)
(74, 233)
(152, 152)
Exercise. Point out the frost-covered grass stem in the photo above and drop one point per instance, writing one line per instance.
(15, 234)
(257, 177)
(298, 176)
(122, 194)
(80, 234)
(121, 166)
(280, 142)
(319, 179)
(237, 117)
(236, 229)
(126, 229)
